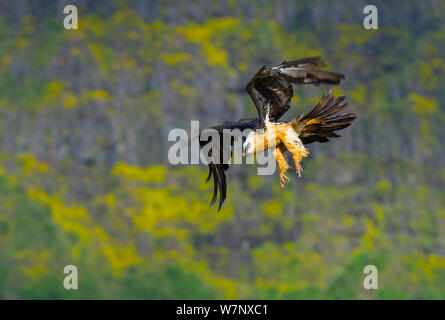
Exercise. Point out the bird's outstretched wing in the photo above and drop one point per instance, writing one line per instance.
(271, 88)
(220, 155)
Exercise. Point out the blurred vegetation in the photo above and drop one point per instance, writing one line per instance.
(84, 180)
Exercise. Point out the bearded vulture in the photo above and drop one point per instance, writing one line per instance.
(271, 92)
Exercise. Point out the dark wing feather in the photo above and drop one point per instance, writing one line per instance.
(321, 122)
(271, 87)
(218, 163)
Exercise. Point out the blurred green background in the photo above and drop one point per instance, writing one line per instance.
(84, 176)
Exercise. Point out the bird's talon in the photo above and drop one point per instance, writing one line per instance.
(283, 179)
(299, 170)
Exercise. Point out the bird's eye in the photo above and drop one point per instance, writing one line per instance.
(248, 146)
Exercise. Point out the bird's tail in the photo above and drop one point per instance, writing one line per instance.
(321, 122)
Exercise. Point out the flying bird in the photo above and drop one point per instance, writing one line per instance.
(271, 91)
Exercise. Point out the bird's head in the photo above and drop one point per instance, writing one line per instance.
(249, 144)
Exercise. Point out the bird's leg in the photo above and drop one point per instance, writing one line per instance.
(282, 163)
(297, 150)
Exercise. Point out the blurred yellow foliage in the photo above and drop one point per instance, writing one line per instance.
(120, 256)
(31, 164)
(153, 174)
(206, 36)
(175, 58)
(272, 208)
(69, 100)
(33, 264)
(422, 105)
(98, 94)
(358, 94)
